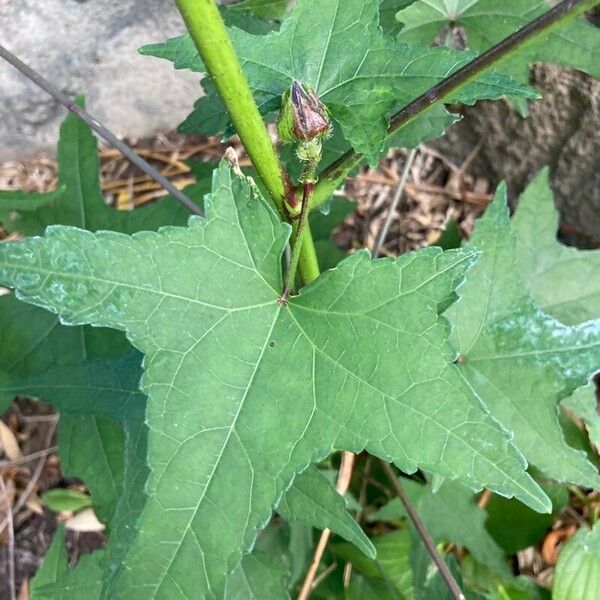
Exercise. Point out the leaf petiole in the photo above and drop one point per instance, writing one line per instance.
(307, 187)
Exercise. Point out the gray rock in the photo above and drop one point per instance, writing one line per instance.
(90, 47)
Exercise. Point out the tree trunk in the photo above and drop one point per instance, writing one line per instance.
(562, 131)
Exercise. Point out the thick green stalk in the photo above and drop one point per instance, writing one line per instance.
(334, 175)
(212, 40)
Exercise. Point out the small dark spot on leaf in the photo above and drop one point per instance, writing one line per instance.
(272, 344)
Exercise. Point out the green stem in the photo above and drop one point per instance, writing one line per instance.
(212, 40)
(211, 37)
(333, 176)
(298, 241)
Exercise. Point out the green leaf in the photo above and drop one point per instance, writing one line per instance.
(521, 588)
(245, 392)
(392, 563)
(311, 499)
(365, 588)
(387, 15)
(339, 51)
(577, 574)
(257, 577)
(575, 44)
(321, 227)
(13, 200)
(103, 440)
(61, 499)
(563, 281)
(247, 19)
(450, 236)
(272, 10)
(583, 403)
(427, 581)
(444, 514)
(515, 526)
(520, 360)
(44, 343)
(56, 581)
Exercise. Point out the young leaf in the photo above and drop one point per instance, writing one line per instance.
(245, 391)
(311, 499)
(563, 281)
(577, 575)
(444, 514)
(584, 404)
(575, 44)
(60, 499)
(339, 51)
(519, 360)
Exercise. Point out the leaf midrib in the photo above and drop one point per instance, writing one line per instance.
(231, 429)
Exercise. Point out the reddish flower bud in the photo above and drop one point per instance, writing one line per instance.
(303, 116)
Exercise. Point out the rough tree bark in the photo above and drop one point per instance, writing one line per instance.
(563, 131)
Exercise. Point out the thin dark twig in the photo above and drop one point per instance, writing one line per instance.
(100, 129)
(424, 534)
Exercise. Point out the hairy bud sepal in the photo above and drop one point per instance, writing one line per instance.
(303, 117)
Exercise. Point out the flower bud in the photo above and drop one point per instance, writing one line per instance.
(303, 116)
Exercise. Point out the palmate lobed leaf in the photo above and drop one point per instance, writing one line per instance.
(575, 44)
(564, 281)
(520, 360)
(245, 392)
(339, 51)
(102, 430)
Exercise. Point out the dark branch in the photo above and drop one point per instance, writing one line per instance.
(102, 131)
(424, 534)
